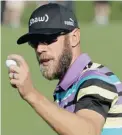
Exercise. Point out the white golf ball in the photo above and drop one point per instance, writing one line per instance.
(10, 62)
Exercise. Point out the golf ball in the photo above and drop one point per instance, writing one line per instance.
(10, 62)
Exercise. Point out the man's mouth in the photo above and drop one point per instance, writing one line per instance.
(45, 62)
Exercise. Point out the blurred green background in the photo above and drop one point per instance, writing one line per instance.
(102, 43)
(84, 11)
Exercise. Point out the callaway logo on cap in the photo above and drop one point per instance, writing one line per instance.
(44, 18)
(49, 19)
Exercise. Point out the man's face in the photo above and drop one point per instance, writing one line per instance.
(55, 58)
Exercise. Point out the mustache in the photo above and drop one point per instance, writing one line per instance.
(41, 58)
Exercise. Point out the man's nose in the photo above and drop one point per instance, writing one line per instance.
(41, 48)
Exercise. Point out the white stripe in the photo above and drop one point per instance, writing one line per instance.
(116, 109)
(94, 66)
(97, 90)
(113, 123)
(118, 83)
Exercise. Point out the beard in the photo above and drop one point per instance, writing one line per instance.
(57, 69)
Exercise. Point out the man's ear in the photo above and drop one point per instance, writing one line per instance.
(75, 37)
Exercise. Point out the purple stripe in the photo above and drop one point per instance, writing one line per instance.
(67, 100)
(104, 70)
(91, 72)
(71, 108)
(119, 100)
(70, 98)
(119, 87)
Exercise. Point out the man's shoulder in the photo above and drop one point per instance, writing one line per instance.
(98, 76)
(100, 72)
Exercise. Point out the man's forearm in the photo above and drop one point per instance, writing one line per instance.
(62, 121)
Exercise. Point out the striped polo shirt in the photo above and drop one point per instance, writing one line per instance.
(89, 85)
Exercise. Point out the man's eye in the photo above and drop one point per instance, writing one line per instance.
(46, 41)
(33, 44)
(51, 41)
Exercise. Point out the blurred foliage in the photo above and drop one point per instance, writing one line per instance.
(116, 10)
(84, 10)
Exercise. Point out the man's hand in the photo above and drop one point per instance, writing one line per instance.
(20, 76)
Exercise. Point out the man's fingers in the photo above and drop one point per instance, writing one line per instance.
(14, 76)
(19, 59)
(11, 75)
(15, 69)
(14, 82)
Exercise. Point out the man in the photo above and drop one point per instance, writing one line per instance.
(88, 94)
(102, 12)
(13, 12)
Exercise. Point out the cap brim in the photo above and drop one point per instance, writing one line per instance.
(28, 36)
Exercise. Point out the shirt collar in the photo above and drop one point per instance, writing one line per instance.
(74, 71)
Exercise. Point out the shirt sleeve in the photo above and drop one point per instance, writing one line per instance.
(96, 95)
